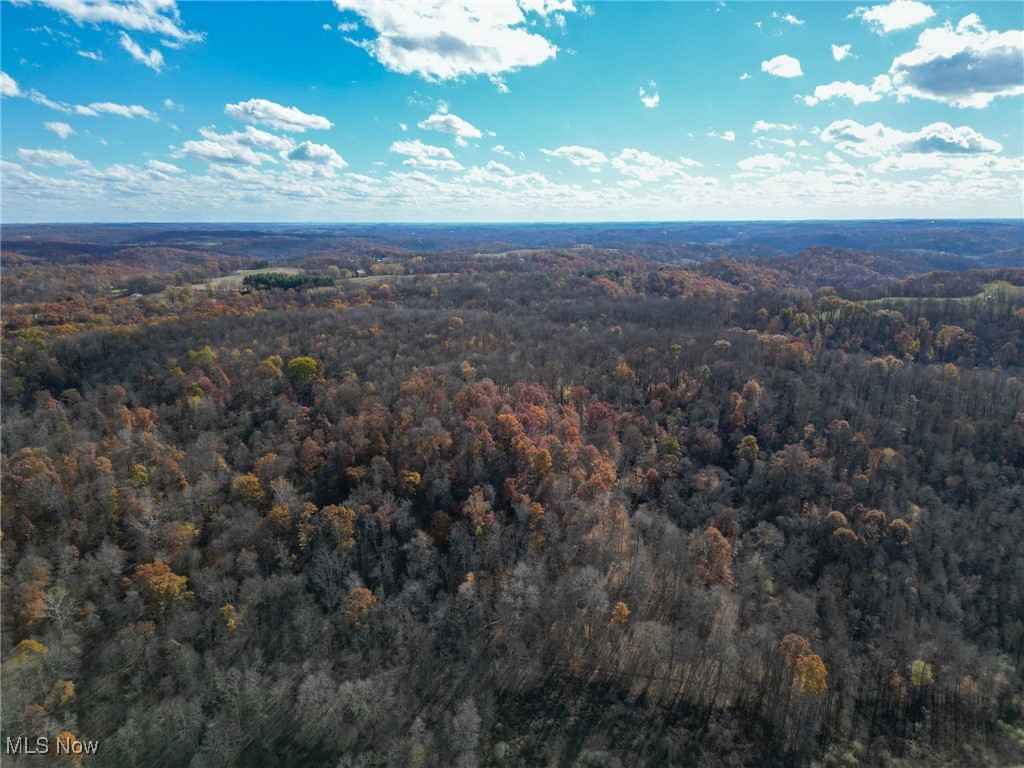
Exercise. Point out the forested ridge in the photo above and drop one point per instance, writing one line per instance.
(662, 504)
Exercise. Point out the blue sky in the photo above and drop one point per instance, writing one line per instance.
(536, 110)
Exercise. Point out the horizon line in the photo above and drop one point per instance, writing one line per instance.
(469, 223)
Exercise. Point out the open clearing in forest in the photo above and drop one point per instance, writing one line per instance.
(233, 282)
(997, 290)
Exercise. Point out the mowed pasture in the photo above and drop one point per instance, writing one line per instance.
(1000, 289)
(233, 282)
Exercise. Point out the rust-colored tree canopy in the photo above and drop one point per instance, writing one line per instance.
(579, 495)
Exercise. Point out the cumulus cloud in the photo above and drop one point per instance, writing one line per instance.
(724, 136)
(444, 121)
(858, 94)
(264, 112)
(154, 59)
(61, 129)
(840, 52)
(965, 166)
(782, 66)
(650, 100)
(762, 126)
(161, 167)
(763, 163)
(422, 155)
(448, 40)
(965, 66)
(9, 86)
(877, 140)
(547, 7)
(761, 142)
(131, 111)
(789, 18)
(899, 14)
(582, 157)
(213, 151)
(57, 157)
(647, 167)
(250, 137)
(316, 156)
(242, 150)
(159, 17)
(94, 109)
(501, 150)
(237, 148)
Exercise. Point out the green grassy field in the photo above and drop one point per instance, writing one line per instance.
(999, 289)
(233, 282)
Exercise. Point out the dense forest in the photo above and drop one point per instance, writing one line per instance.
(635, 496)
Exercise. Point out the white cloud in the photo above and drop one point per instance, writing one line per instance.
(169, 104)
(156, 16)
(745, 76)
(647, 167)
(161, 167)
(9, 86)
(581, 157)
(724, 136)
(500, 149)
(782, 66)
(650, 100)
(236, 148)
(131, 111)
(448, 40)
(958, 186)
(422, 155)
(316, 156)
(250, 137)
(57, 157)
(878, 140)
(95, 109)
(789, 18)
(761, 142)
(154, 59)
(213, 151)
(966, 166)
(762, 126)
(264, 112)
(39, 98)
(899, 14)
(966, 66)
(94, 55)
(840, 52)
(348, 26)
(858, 94)
(61, 129)
(547, 7)
(763, 163)
(250, 148)
(444, 121)
(501, 168)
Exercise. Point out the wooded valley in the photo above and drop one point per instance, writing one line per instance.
(515, 497)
